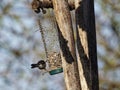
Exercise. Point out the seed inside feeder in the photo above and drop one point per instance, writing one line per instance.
(55, 63)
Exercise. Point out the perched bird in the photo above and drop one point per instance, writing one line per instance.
(41, 65)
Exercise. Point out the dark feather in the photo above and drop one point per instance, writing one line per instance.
(34, 65)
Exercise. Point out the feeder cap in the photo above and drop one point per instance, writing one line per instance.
(56, 71)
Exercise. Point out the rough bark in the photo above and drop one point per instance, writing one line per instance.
(67, 44)
(86, 44)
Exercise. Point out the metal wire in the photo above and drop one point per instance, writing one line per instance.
(43, 38)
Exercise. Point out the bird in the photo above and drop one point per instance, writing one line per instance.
(40, 65)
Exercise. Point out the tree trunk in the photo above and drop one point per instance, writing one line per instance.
(67, 44)
(86, 44)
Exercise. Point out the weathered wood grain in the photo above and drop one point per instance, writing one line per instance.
(86, 44)
(67, 44)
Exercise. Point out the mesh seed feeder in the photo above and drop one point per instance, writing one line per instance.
(54, 61)
(51, 44)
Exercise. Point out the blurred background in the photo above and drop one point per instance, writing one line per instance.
(21, 45)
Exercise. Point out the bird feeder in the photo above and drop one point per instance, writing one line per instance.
(53, 62)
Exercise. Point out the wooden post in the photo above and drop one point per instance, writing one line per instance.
(67, 44)
(86, 44)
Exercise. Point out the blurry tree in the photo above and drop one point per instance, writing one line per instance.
(20, 46)
(108, 32)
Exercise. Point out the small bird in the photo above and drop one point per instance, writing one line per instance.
(41, 65)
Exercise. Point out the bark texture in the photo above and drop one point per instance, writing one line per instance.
(86, 44)
(67, 44)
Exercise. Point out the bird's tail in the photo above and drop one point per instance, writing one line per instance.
(34, 65)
